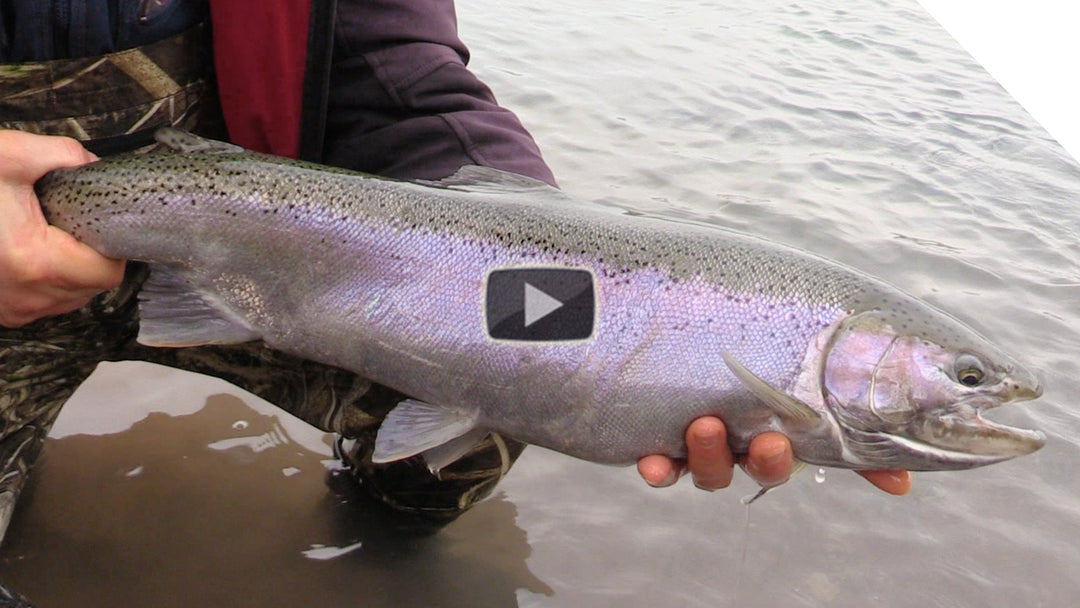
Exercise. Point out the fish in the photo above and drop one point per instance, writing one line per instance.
(392, 280)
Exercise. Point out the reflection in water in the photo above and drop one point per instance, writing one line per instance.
(197, 510)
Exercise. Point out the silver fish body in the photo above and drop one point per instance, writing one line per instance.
(387, 279)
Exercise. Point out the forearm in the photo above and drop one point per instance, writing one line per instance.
(403, 103)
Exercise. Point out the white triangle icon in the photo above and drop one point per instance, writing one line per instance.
(538, 305)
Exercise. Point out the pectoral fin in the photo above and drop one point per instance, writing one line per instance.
(414, 427)
(788, 408)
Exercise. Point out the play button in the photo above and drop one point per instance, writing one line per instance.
(540, 304)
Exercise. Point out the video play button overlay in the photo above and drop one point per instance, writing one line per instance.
(537, 304)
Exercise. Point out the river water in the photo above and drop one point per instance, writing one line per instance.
(856, 129)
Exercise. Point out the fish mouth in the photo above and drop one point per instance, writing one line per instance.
(963, 438)
(955, 438)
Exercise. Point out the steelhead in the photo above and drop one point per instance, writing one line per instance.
(392, 280)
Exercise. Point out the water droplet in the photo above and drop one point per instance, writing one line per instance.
(240, 425)
(820, 475)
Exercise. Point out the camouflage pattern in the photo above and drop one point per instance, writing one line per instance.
(171, 83)
(10, 599)
(161, 84)
(41, 364)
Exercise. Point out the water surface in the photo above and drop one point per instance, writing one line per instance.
(858, 130)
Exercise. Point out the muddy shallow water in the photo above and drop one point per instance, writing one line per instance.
(857, 130)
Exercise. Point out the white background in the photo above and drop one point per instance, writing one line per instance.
(1032, 47)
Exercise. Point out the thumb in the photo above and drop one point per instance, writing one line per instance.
(26, 157)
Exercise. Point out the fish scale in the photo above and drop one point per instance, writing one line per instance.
(386, 279)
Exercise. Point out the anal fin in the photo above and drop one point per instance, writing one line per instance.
(441, 456)
(414, 427)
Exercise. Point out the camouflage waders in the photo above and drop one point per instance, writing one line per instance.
(41, 364)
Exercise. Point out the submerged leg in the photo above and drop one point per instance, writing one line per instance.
(41, 365)
(339, 401)
(10, 599)
(31, 396)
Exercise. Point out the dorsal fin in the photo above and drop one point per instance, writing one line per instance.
(477, 178)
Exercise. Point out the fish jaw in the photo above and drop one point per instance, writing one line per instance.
(962, 439)
(901, 402)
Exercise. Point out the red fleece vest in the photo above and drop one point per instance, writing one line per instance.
(260, 51)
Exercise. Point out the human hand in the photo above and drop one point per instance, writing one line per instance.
(43, 270)
(770, 461)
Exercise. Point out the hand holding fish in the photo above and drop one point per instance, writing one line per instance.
(856, 373)
(770, 461)
(43, 270)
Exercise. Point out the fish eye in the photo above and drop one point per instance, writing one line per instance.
(969, 370)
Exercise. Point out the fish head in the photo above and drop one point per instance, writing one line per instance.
(908, 390)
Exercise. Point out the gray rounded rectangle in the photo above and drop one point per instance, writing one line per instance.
(540, 304)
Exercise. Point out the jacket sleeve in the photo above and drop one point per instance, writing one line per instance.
(402, 102)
